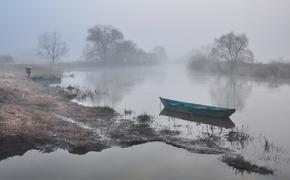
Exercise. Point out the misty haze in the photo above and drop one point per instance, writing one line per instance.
(135, 89)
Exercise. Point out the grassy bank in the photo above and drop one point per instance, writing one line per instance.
(259, 71)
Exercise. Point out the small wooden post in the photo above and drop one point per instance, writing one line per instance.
(28, 71)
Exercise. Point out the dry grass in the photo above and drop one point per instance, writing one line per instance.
(26, 107)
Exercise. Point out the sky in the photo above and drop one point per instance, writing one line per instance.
(178, 25)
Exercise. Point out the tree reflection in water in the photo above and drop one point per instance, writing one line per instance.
(230, 91)
(106, 86)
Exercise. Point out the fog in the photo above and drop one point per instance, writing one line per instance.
(178, 25)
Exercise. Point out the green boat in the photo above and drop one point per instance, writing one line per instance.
(46, 79)
(196, 109)
(224, 122)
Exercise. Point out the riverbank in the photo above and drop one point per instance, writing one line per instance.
(274, 74)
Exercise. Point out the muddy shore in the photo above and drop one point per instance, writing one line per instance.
(41, 117)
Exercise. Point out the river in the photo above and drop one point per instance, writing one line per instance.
(262, 112)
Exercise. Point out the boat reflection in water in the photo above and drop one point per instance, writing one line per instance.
(219, 122)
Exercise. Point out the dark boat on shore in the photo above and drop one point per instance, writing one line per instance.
(219, 122)
(197, 109)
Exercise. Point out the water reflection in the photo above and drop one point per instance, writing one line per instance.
(230, 91)
(148, 161)
(223, 133)
(106, 86)
(219, 122)
(215, 132)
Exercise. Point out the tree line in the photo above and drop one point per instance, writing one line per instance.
(105, 45)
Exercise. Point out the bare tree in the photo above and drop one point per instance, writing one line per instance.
(232, 48)
(102, 42)
(51, 46)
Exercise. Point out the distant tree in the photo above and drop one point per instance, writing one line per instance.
(159, 53)
(107, 45)
(51, 46)
(6, 59)
(126, 52)
(102, 42)
(144, 57)
(232, 48)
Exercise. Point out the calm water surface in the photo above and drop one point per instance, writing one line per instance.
(262, 111)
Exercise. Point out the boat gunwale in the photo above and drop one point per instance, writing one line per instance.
(194, 104)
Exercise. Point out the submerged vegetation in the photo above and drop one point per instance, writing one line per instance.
(169, 132)
(241, 165)
(238, 138)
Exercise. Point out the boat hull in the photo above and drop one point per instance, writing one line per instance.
(196, 109)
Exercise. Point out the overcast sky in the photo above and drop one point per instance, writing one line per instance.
(178, 25)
